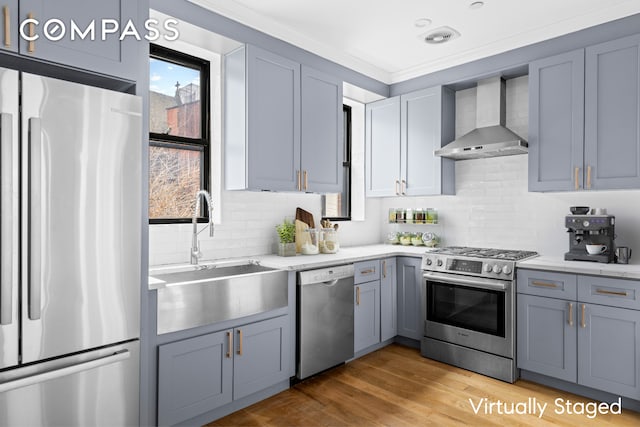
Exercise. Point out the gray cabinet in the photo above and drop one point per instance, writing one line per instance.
(402, 134)
(584, 112)
(194, 376)
(9, 25)
(110, 56)
(273, 121)
(590, 336)
(556, 122)
(608, 349)
(322, 151)
(203, 373)
(612, 114)
(283, 124)
(366, 315)
(546, 336)
(261, 355)
(410, 298)
(388, 299)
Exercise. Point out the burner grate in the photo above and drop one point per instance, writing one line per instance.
(506, 254)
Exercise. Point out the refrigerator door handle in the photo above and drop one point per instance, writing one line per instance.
(35, 165)
(6, 185)
(63, 372)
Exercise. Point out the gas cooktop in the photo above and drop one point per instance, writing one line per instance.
(503, 254)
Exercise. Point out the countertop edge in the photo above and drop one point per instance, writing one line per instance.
(623, 271)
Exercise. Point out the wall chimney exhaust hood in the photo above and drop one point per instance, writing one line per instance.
(491, 138)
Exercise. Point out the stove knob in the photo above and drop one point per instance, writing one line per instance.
(487, 268)
(496, 269)
(439, 263)
(429, 262)
(506, 269)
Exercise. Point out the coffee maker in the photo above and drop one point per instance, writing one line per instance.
(590, 230)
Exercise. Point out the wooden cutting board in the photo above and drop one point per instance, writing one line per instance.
(306, 217)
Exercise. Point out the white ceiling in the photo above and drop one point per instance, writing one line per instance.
(378, 37)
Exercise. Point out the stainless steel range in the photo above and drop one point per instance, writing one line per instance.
(470, 308)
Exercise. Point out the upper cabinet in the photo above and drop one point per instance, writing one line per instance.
(10, 23)
(84, 35)
(283, 124)
(584, 119)
(402, 134)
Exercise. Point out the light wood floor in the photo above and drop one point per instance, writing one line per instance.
(395, 386)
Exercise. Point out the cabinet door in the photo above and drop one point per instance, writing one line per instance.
(273, 121)
(366, 315)
(556, 122)
(421, 128)
(383, 148)
(388, 300)
(608, 348)
(10, 23)
(546, 334)
(261, 359)
(194, 376)
(322, 132)
(612, 114)
(410, 298)
(110, 56)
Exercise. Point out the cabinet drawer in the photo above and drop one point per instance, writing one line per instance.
(367, 271)
(609, 291)
(547, 284)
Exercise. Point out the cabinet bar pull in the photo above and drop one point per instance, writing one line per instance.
(570, 314)
(358, 295)
(229, 345)
(403, 187)
(605, 292)
(369, 271)
(384, 268)
(299, 180)
(588, 177)
(544, 284)
(7, 26)
(239, 342)
(583, 322)
(31, 47)
(577, 170)
(306, 180)
(397, 189)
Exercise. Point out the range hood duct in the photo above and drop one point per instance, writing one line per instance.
(491, 138)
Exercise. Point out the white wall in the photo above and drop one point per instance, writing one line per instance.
(491, 208)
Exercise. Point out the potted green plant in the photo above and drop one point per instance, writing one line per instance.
(287, 235)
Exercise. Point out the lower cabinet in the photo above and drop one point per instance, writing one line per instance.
(388, 299)
(410, 298)
(592, 339)
(366, 315)
(203, 373)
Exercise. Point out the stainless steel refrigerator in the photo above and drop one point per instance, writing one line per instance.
(70, 175)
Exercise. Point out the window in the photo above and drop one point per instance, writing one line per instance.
(179, 134)
(337, 206)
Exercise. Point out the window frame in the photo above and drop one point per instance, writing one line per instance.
(202, 144)
(346, 163)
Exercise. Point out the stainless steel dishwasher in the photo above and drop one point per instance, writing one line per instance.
(325, 319)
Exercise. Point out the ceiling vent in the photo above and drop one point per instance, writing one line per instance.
(440, 35)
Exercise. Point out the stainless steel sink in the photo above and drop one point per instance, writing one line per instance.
(201, 295)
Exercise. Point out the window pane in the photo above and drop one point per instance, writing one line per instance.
(174, 180)
(174, 99)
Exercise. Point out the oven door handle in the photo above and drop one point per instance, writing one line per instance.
(481, 283)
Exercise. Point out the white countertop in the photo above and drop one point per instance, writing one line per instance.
(344, 255)
(628, 271)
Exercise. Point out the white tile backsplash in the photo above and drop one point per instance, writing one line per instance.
(492, 207)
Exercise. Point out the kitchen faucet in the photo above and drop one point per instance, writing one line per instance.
(195, 244)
